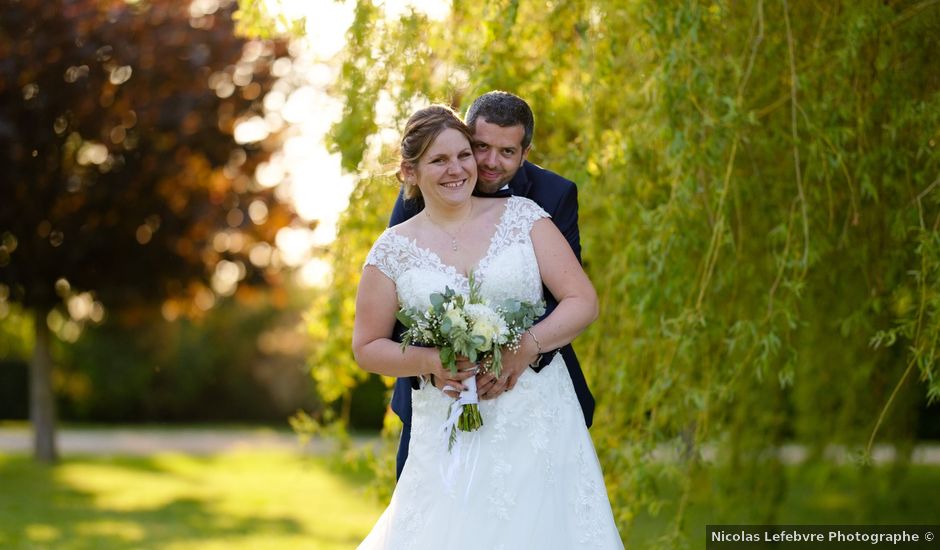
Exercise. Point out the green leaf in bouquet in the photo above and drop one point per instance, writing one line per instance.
(446, 326)
(462, 345)
(475, 297)
(452, 438)
(497, 365)
(449, 358)
(477, 341)
(405, 317)
(437, 300)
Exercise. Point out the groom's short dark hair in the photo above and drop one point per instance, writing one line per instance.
(503, 109)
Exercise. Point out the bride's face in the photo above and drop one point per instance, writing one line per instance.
(446, 172)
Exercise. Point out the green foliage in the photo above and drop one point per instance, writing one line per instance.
(213, 369)
(16, 335)
(239, 362)
(330, 317)
(255, 19)
(16, 344)
(760, 213)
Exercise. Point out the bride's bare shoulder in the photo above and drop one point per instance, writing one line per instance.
(407, 228)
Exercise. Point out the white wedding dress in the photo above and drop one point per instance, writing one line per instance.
(529, 478)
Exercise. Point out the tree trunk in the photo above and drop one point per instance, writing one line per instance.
(41, 400)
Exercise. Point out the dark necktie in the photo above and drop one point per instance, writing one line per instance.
(502, 193)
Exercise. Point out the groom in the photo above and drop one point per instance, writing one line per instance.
(502, 126)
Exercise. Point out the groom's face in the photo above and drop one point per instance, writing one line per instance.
(499, 153)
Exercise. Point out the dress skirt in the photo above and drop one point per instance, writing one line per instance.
(529, 478)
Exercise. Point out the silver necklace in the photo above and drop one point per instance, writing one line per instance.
(453, 236)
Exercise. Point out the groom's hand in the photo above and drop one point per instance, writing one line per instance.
(514, 364)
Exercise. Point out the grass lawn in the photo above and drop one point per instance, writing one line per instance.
(283, 500)
(235, 500)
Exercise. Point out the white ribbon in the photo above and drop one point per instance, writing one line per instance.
(467, 397)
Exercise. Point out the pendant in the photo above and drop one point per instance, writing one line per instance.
(453, 244)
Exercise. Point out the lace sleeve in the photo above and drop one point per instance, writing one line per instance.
(527, 212)
(386, 255)
(516, 224)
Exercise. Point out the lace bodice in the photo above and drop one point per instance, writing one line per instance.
(508, 269)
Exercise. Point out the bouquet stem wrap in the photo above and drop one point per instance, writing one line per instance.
(464, 412)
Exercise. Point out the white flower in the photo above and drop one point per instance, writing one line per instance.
(456, 318)
(486, 323)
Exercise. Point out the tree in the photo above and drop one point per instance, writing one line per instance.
(760, 211)
(123, 186)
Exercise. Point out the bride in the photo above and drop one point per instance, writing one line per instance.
(529, 478)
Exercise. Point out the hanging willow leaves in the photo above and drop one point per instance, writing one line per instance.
(759, 212)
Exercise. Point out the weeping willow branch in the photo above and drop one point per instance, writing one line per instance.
(783, 264)
(853, 194)
(927, 191)
(754, 46)
(697, 92)
(796, 137)
(711, 258)
(922, 282)
(913, 10)
(904, 377)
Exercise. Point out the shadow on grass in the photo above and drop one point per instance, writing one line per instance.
(98, 502)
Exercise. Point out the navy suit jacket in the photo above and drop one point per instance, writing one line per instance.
(557, 196)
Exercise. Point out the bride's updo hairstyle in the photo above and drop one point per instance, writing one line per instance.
(420, 132)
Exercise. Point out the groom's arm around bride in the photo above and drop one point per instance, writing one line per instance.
(503, 125)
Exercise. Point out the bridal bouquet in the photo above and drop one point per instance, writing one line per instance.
(471, 327)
